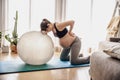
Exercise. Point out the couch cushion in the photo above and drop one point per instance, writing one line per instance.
(103, 67)
(107, 44)
(113, 51)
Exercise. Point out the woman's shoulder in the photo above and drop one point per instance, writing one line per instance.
(66, 23)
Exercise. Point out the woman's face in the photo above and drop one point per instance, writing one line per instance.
(49, 28)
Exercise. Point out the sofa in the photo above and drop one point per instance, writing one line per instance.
(102, 65)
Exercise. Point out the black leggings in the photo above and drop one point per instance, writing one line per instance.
(74, 50)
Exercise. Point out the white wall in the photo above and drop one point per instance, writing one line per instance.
(0, 15)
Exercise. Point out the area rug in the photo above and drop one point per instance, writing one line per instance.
(7, 67)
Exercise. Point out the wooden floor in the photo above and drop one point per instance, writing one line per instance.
(81, 73)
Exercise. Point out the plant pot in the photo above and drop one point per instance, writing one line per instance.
(13, 48)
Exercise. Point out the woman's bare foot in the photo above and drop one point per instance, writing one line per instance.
(80, 55)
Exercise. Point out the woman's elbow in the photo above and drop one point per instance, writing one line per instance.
(72, 22)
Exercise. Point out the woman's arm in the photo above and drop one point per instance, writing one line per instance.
(62, 25)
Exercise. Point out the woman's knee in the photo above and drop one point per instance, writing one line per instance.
(61, 58)
(64, 58)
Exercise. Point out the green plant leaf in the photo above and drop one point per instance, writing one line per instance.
(14, 38)
(7, 37)
(14, 33)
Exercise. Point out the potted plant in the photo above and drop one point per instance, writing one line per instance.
(14, 39)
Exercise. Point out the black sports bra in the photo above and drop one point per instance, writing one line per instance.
(62, 33)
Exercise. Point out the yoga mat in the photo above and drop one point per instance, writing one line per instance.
(19, 66)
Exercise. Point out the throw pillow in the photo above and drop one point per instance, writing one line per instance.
(113, 51)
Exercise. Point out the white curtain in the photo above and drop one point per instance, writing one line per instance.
(60, 10)
(22, 6)
(3, 18)
(41, 9)
(80, 11)
(102, 14)
(0, 15)
(31, 13)
(91, 19)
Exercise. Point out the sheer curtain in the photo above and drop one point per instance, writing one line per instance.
(91, 19)
(22, 6)
(102, 14)
(79, 11)
(41, 9)
(30, 14)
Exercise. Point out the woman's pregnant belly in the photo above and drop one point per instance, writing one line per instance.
(67, 40)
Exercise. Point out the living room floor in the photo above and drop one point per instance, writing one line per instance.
(81, 73)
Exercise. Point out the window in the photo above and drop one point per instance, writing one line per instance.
(79, 11)
(91, 16)
(41, 9)
(30, 13)
(102, 14)
(91, 19)
(22, 6)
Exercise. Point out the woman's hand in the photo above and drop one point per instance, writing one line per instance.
(71, 34)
